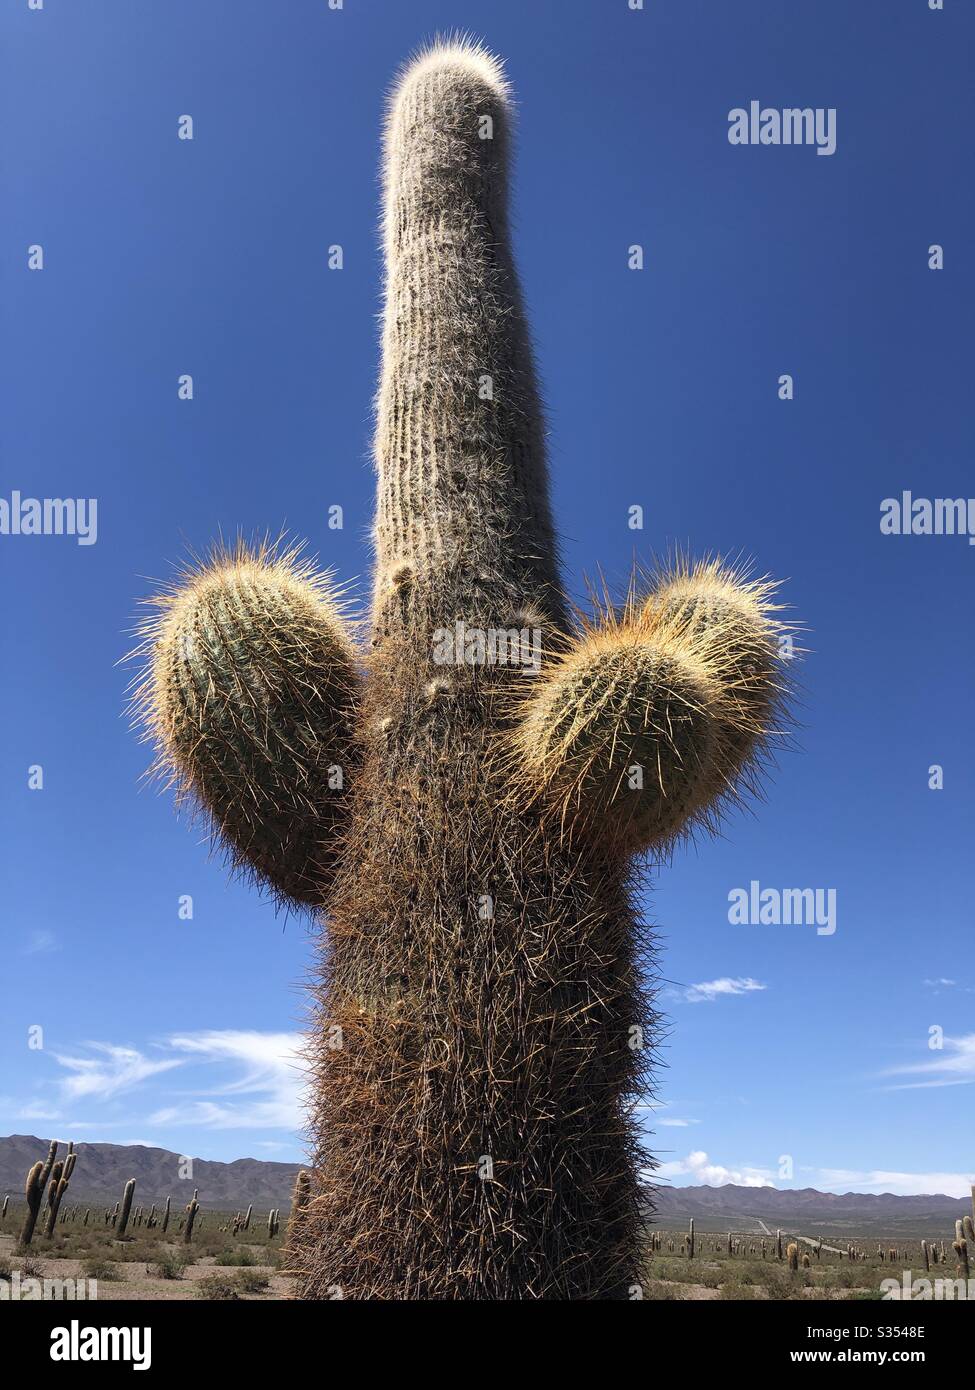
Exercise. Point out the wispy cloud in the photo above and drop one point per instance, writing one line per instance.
(678, 1124)
(951, 1065)
(265, 1089)
(709, 990)
(40, 943)
(699, 1168)
(110, 1071)
(900, 1184)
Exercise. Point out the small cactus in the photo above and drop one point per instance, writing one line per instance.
(806, 1261)
(792, 1255)
(123, 1218)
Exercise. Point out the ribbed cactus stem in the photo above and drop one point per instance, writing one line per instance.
(792, 1255)
(166, 1211)
(126, 1208)
(690, 1239)
(462, 503)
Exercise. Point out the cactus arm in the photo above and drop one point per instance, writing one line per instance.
(652, 718)
(248, 694)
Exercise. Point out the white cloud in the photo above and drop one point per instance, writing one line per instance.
(36, 1110)
(40, 943)
(678, 1124)
(951, 1065)
(266, 1091)
(709, 990)
(901, 1184)
(699, 1169)
(112, 1070)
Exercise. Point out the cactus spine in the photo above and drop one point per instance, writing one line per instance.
(123, 1218)
(472, 1126)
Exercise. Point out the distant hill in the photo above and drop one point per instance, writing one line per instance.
(805, 1209)
(103, 1170)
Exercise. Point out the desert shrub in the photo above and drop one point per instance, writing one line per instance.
(657, 1292)
(251, 1281)
(99, 1268)
(170, 1264)
(218, 1286)
(238, 1258)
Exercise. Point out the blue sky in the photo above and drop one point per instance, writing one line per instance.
(164, 256)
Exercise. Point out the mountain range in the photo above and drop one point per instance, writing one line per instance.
(103, 1169)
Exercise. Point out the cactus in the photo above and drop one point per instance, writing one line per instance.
(6, 1204)
(60, 1177)
(35, 1188)
(806, 1261)
(165, 1220)
(690, 1239)
(960, 1247)
(481, 1029)
(792, 1255)
(247, 1218)
(192, 1207)
(123, 1218)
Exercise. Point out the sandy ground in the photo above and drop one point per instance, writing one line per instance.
(134, 1283)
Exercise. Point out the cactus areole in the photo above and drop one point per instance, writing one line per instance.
(466, 836)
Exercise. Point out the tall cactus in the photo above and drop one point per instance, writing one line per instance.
(192, 1207)
(35, 1187)
(481, 1029)
(123, 1219)
(59, 1186)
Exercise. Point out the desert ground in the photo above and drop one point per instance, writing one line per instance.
(226, 1261)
